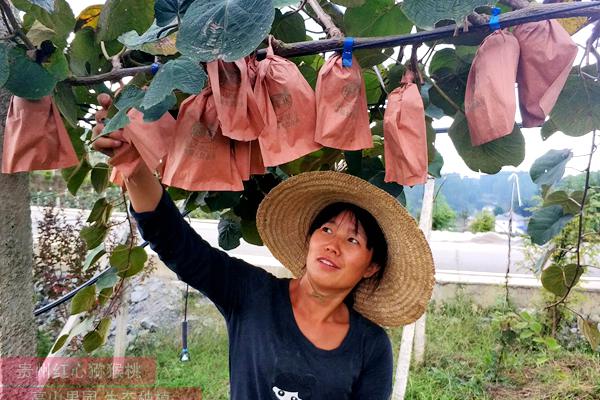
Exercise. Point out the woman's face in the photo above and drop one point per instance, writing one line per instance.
(338, 257)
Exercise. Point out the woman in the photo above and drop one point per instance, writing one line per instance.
(360, 262)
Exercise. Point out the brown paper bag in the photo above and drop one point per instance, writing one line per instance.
(145, 142)
(248, 159)
(287, 103)
(236, 106)
(405, 135)
(547, 55)
(490, 102)
(201, 158)
(35, 137)
(342, 114)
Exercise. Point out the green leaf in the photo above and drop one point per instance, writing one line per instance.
(76, 175)
(93, 256)
(426, 13)
(26, 78)
(104, 295)
(227, 29)
(288, 27)
(75, 134)
(557, 279)
(94, 234)
(101, 211)
(218, 201)
(370, 57)
(78, 329)
(435, 165)
(61, 20)
(392, 188)
(250, 232)
(168, 10)
(96, 338)
(372, 86)
(4, 65)
(310, 74)
(550, 168)
(546, 223)
(489, 157)
(118, 121)
(394, 76)
(577, 110)
(589, 329)
(39, 33)
(376, 18)
(181, 74)
(154, 113)
(66, 103)
(128, 261)
(84, 300)
(230, 233)
(561, 198)
(131, 96)
(108, 279)
(57, 65)
(85, 55)
(99, 177)
(449, 68)
(155, 41)
(120, 16)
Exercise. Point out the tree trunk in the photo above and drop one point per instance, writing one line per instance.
(17, 324)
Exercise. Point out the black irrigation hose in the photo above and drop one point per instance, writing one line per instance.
(93, 280)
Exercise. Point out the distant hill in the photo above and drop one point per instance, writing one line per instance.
(473, 194)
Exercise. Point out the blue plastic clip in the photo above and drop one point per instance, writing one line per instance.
(495, 19)
(347, 53)
(154, 68)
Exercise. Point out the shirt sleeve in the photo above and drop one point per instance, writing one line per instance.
(225, 280)
(375, 380)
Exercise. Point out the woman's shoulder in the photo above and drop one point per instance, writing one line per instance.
(368, 328)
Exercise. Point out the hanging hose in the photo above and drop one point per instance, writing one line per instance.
(185, 354)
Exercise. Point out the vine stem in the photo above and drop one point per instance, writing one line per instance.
(325, 20)
(518, 17)
(580, 225)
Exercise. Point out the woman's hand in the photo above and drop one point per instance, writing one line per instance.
(107, 144)
(144, 189)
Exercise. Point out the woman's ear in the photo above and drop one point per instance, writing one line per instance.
(371, 270)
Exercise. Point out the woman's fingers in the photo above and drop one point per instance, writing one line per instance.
(109, 143)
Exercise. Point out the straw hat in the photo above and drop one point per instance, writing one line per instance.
(285, 215)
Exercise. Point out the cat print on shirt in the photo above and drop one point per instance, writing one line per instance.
(285, 395)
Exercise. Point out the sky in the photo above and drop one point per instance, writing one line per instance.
(534, 145)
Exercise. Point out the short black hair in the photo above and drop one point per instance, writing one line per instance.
(375, 237)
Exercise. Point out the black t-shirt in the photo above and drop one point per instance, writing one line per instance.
(269, 357)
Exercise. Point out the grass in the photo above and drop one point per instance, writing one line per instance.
(461, 360)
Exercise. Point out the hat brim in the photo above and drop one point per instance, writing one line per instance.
(285, 215)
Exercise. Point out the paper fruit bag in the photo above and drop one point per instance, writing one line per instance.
(342, 114)
(234, 100)
(201, 158)
(35, 137)
(287, 103)
(490, 101)
(547, 55)
(405, 135)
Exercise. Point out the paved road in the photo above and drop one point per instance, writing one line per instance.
(451, 250)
